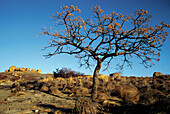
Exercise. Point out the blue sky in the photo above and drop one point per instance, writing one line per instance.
(22, 20)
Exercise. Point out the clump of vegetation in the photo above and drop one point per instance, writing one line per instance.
(66, 73)
(84, 105)
(2, 77)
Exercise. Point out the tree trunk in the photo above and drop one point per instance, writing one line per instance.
(95, 81)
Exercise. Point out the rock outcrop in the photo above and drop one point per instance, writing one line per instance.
(22, 69)
(116, 76)
(27, 69)
(157, 74)
(12, 68)
(39, 71)
(33, 70)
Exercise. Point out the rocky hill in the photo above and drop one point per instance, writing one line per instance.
(28, 91)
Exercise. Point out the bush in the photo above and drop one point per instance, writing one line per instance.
(84, 106)
(66, 73)
(3, 77)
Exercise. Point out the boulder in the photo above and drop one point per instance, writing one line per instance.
(80, 91)
(157, 74)
(16, 84)
(22, 69)
(29, 86)
(12, 68)
(44, 88)
(87, 84)
(14, 74)
(123, 79)
(108, 103)
(6, 70)
(116, 76)
(27, 69)
(39, 71)
(54, 90)
(33, 70)
(102, 97)
(129, 92)
(17, 69)
(49, 73)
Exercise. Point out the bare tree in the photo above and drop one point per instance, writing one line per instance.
(103, 37)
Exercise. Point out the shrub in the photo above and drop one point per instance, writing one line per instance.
(84, 106)
(66, 73)
(3, 77)
(161, 106)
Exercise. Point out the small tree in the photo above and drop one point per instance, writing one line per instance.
(103, 37)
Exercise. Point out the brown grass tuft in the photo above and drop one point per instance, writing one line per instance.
(84, 106)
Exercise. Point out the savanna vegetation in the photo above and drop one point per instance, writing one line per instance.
(103, 37)
(116, 94)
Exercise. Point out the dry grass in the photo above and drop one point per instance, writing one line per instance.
(85, 106)
(135, 93)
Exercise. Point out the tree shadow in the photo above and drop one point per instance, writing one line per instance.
(160, 106)
(54, 108)
(66, 98)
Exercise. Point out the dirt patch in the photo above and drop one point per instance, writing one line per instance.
(31, 101)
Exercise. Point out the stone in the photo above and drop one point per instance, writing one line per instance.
(88, 84)
(157, 74)
(115, 98)
(54, 90)
(36, 111)
(12, 68)
(108, 103)
(39, 71)
(16, 84)
(29, 86)
(80, 91)
(15, 74)
(116, 76)
(44, 88)
(129, 93)
(17, 69)
(27, 69)
(49, 73)
(102, 97)
(6, 70)
(58, 112)
(33, 70)
(123, 79)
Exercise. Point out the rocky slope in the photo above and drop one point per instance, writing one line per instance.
(29, 91)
